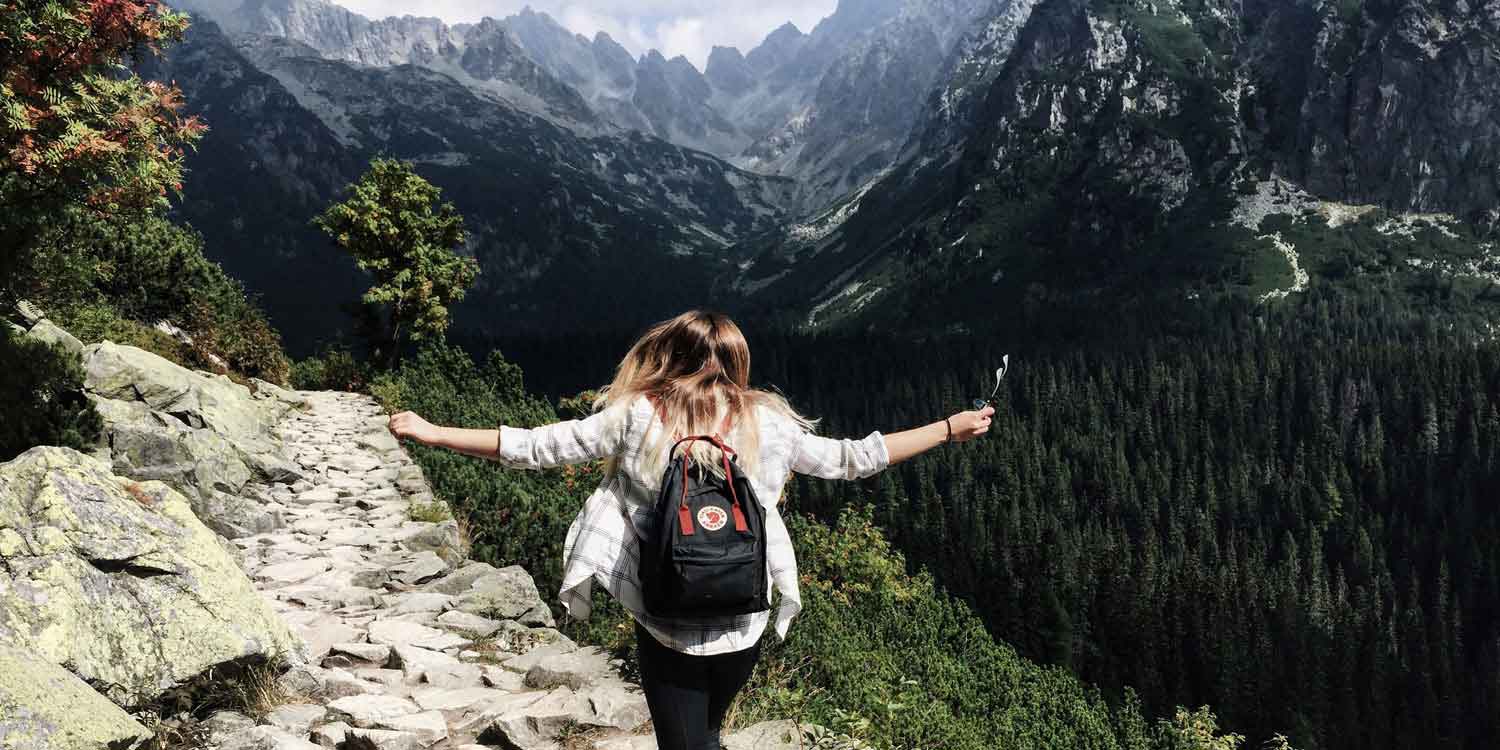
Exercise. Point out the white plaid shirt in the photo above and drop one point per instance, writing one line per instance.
(604, 541)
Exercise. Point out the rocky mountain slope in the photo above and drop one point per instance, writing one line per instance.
(829, 108)
(219, 531)
(1051, 150)
(558, 220)
(1122, 152)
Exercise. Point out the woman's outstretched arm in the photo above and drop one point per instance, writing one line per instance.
(568, 442)
(832, 458)
(966, 425)
(482, 443)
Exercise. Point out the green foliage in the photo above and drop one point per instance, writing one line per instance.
(100, 322)
(336, 369)
(76, 129)
(112, 276)
(514, 517)
(88, 154)
(397, 231)
(435, 512)
(819, 737)
(876, 642)
(153, 269)
(42, 389)
(1197, 730)
(1280, 511)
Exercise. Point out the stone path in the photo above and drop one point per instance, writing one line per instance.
(408, 644)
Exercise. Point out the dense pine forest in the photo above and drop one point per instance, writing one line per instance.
(1287, 513)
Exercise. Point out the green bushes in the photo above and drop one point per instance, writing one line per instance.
(916, 665)
(515, 517)
(97, 322)
(42, 389)
(336, 369)
(877, 654)
(112, 278)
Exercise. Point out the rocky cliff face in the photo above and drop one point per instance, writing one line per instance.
(829, 108)
(556, 218)
(485, 55)
(1078, 143)
(118, 599)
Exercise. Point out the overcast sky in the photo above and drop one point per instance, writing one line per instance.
(676, 27)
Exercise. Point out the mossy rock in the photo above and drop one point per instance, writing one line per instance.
(119, 580)
(43, 705)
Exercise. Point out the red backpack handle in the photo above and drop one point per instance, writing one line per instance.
(684, 516)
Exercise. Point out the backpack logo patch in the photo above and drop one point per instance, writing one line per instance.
(712, 517)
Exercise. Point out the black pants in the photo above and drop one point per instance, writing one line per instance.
(689, 695)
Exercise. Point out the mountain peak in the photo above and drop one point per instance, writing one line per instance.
(778, 47)
(727, 70)
(787, 29)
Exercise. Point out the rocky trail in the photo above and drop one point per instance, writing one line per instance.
(243, 567)
(408, 644)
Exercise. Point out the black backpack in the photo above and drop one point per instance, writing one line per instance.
(707, 555)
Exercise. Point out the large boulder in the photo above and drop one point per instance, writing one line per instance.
(279, 399)
(43, 705)
(146, 445)
(119, 580)
(150, 445)
(196, 431)
(506, 594)
(131, 374)
(48, 332)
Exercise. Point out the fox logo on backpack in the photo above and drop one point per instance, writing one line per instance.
(708, 552)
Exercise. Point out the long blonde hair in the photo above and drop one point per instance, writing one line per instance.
(695, 369)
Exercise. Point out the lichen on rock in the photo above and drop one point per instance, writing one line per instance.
(119, 580)
(43, 705)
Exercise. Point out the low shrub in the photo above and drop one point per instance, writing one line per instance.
(42, 389)
(335, 369)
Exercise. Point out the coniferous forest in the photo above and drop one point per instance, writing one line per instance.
(1288, 514)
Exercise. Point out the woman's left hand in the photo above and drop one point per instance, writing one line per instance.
(408, 424)
(967, 425)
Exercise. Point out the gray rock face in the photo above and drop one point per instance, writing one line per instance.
(120, 580)
(43, 705)
(604, 185)
(832, 106)
(863, 77)
(131, 374)
(782, 734)
(47, 332)
(200, 433)
(506, 594)
(1411, 122)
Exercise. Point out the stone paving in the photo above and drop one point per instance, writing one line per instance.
(408, 644)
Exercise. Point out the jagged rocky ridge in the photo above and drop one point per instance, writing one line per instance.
(829, 107)
(1111, 150)
(116, 590)
(568, 228)
(982, 151)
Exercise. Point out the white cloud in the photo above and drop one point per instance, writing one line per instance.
(674, 27)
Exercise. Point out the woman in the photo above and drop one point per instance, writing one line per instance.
(686, 376)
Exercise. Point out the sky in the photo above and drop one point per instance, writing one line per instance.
(675, 27)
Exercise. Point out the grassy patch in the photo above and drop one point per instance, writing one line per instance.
(252, 688)
(433, 512)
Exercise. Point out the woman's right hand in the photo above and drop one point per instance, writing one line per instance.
(408, 425)
(968, 425)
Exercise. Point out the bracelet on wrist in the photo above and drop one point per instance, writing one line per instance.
(949, 425)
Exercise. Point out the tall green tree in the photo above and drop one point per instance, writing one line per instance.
(397, 230)
(79, 135)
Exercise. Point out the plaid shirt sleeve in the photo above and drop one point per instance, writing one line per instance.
(570, 442)
(829, 458)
